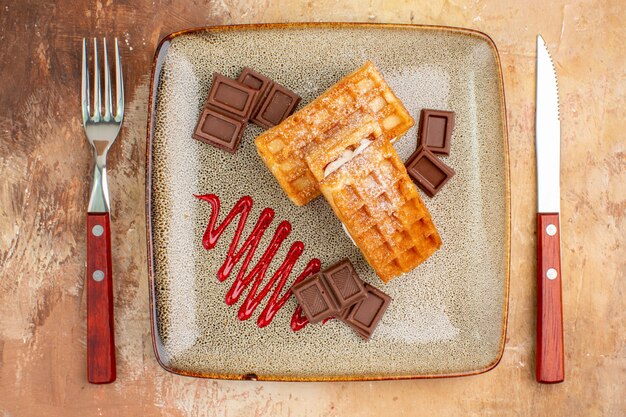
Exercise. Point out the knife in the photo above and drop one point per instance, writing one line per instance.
(550, 359)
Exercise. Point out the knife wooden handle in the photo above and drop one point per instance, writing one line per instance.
(100, 335)
(550, 359)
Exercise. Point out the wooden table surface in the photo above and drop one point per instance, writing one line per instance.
(45, 169)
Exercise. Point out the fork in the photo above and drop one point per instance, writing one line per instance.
(101, 129)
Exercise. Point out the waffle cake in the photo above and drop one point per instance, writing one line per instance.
(378, 203)
(283, 147)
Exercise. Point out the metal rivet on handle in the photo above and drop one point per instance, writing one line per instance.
(97, 230)
(98, 275)
(551, 230)
(551, 273)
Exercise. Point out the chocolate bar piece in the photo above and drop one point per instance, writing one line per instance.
(278, 105)
(337, 287)
(219, 130)
(435, 130)
(365, 315)
(428, 171)
(338, 291)
(345, 283)
(316, 298)
(231, 97)
(258, 82)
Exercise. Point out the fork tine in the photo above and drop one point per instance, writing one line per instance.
(84, 92)
(119, 84)
(107, 83)
(97, 103)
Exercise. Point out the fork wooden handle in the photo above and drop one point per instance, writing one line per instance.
(100, 334)
(550, 360)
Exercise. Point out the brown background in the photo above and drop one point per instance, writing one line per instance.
(44, 175)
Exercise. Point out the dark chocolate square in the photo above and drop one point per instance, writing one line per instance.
(365, 315)
(219, 130)
(345, 283)
(231, 97)
(428, 171)
(316, 298)
(435, 130)
(258, 82)
(278, 105)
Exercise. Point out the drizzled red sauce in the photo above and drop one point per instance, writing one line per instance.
(244, 253)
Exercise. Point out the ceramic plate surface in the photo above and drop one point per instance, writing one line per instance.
(447, 317)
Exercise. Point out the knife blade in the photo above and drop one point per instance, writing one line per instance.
(550, 358)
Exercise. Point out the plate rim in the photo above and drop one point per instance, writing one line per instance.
(157, 65)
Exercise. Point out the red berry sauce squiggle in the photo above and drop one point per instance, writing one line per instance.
(256, 275)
